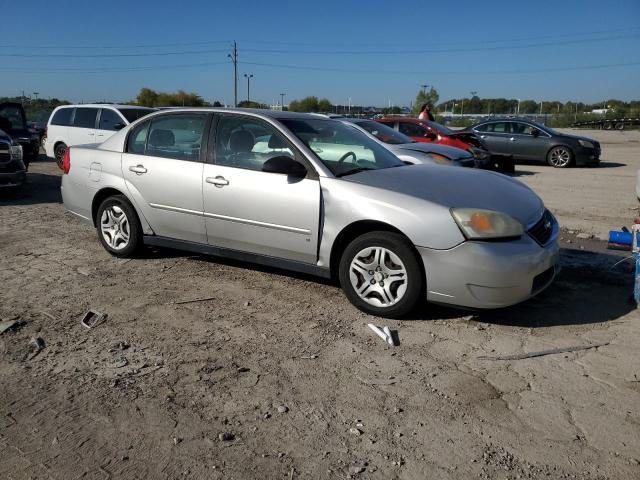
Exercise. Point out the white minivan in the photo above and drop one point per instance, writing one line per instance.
(83, 124)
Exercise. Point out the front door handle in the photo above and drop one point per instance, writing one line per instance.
(218, 181)
(512, 139)
(483, 136)
(138, 169)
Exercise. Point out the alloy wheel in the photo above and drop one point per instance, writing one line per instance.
(378, 276)
(560, 157)
(114, 226)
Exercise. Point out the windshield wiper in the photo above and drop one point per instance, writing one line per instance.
(352, 171)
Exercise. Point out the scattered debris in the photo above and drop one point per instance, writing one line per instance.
(243, 369)
(553, 351)
(48, 315)
(37, 345)
(310, 357)
(205, 299)
(247, 304)
(121, 362)
(83, 271)
(6, 325)
(177, 440)
(584, 236)
(376, 381)
(355, 431)
(226, 437)
(283, 409)
(356, 469)
(93, 318)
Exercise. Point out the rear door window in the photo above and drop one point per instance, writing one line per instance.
(62, 117)
(176, 136)
(108, 120)
(497, 127)
(85, 117)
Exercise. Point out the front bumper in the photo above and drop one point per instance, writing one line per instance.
(587, 156)
(490, 274)
(13, 179)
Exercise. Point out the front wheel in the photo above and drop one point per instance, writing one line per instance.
(560, 157)
(381, 274)
(118, 227)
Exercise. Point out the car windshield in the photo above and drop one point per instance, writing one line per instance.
(344, 150)
(383, 132)
(440, 128)
(12, 117)
(132, 114)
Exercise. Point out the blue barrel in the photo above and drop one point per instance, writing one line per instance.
(621, 238)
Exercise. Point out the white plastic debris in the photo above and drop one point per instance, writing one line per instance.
(384, 333)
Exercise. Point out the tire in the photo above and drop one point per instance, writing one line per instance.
(619, 126)
(381, 255)
(58, 153)
(118, 227)
(560, 157)
(607, 125)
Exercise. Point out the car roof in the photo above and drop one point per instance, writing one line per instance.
(103, 105)
(275, 114)
(506, 119)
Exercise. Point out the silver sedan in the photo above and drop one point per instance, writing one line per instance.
(314, 195)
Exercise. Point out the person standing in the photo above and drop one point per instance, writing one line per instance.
(425, 113)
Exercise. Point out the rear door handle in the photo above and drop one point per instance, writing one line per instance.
(512, 139)
(218, 181)
(483, 136)
(138, 169)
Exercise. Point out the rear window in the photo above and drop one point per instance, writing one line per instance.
(133, 114)
(85, 117)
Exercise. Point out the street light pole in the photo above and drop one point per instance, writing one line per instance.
(462, 108)
(248, 77)
(473, 94)
(424, 88)
(282, 101)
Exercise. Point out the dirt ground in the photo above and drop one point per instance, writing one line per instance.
(276, 376)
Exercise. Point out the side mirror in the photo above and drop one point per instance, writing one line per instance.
(119, 126)
(285, 165)
(535, 132)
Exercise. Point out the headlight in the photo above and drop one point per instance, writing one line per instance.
(440, 159)
(586, 144)
(479, 224)
(15, 152)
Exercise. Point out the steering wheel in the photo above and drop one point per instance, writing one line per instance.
(347, 155)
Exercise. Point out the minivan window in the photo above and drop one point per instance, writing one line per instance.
(62, 117)
(138, 139)
(108, 119)
(176, 136)
(85, 117)
(133, 114)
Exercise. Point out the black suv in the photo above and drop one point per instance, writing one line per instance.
(13, 172)
(13, 122)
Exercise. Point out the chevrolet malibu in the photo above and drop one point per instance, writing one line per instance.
(313, 195)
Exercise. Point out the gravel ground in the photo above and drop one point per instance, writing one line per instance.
(275, 375)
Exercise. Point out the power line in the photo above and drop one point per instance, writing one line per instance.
(107, 55)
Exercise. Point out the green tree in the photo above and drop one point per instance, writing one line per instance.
(251, 104)
(431, 97)
(150, 98)
(324, 105)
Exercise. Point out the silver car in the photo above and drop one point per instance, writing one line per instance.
(314, 195)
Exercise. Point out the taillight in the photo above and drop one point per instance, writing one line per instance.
(46, 130)
(66, 161)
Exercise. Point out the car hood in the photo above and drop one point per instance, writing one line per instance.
(577, 137)
(453, 187)
(451, 152)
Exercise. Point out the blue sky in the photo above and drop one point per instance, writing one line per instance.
(373, 51)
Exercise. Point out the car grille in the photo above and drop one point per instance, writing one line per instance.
(5, 156)
(541, 280)
(541, 232)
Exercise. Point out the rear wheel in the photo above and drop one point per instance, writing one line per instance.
(118, 227)
(58, 152)
(381, 274)
(560, 157)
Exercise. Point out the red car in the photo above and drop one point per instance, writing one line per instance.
(432, 132)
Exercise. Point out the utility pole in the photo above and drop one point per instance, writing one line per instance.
(234, 59)
(540, 107)
(424, 88)
(473, 94)
(36, 95)
(462, 108)
(518, 111)
(248, 77)
(349, 102)
(282, 101)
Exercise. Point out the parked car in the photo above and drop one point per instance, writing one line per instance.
(13, 172)
(37, 129)
(415, 152)
(523, 139)
(427, 131)
(314, 195)
(85, 124)
(13, 122)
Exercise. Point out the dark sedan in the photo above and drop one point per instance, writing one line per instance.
(526, 140)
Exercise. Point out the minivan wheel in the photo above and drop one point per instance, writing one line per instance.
(381, 274)
(118, 226)
(58, 152)
(560, 157)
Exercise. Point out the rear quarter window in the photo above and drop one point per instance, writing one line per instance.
(62, 117)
